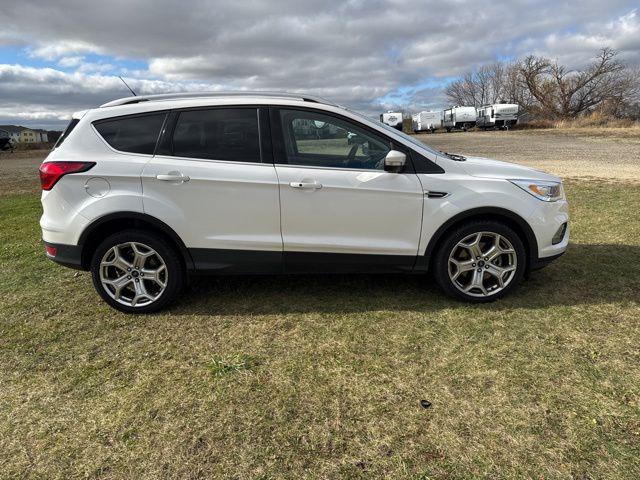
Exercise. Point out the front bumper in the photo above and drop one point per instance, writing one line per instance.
(545, 222)
(543, 262)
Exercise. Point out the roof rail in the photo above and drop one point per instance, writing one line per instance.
(178, 96)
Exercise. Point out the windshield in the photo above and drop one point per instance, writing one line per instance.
(406, 137)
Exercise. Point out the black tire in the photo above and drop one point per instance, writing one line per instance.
(175, 274)
(451, 240)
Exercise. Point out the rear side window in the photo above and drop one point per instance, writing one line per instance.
(67, 131)
(218, 134)
(137, 134)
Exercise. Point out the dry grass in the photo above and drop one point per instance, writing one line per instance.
(323, 377)
(595, 124)
(597, 120)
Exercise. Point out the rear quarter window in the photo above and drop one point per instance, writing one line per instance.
(133, 134)
(67, 131)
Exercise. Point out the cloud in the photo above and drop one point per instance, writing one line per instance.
(365, 54)
(46, 96)
(57, 49)
(69, 62)
(575, 48)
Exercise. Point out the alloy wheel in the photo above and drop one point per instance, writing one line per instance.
(482, 264)
(133, 274)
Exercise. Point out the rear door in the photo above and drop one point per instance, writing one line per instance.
(208, 182)
(340, 210)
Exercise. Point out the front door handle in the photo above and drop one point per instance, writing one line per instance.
(173, 177)
(306, 185)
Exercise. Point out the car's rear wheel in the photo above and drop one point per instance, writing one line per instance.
(480, 262)
(136, 272)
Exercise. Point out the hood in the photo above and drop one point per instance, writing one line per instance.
(487, 168)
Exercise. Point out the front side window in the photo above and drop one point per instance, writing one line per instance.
(135, 134)
(229, 134)
(318, 140)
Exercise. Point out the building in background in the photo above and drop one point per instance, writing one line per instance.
(19, 134)
(28, 135)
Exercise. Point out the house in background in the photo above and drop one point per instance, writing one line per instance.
(28, 135)
(19, 134)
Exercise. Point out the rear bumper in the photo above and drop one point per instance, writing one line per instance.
(67, 255)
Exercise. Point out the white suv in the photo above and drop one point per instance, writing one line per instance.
(144, 191)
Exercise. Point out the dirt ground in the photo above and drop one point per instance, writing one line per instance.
(19, 171)
(569, 154)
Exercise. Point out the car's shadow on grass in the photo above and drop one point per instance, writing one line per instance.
(586, 274)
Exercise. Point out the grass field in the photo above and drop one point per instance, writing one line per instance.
(323, 377)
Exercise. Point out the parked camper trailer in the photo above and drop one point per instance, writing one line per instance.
(426, 121)
(459, 118)
(498, 115)
(393, 119)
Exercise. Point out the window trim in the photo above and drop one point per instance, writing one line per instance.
(165, 143)
(133, 115)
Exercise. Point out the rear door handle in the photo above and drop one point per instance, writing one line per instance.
(306, 185)
(173, 177)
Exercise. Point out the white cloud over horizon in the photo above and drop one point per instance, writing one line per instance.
(370, 55)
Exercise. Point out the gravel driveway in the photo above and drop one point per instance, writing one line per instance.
(568, 155)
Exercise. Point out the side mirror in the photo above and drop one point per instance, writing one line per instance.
(395, 161)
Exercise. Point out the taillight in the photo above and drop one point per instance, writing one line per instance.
(51, 251)
(51, 172)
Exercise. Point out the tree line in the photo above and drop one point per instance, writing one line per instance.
(548, 90)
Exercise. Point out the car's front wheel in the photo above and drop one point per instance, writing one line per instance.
(137, 272)
(480, 262)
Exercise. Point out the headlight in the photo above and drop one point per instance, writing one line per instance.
(545, 191)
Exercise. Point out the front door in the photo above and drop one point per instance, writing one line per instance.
(340, 210)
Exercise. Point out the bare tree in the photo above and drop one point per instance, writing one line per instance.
(563, 93)
(514, 88)
(546, 89)
(624, 97)
(497, 77)
(480, 87)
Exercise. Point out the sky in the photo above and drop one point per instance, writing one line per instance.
(63, 56)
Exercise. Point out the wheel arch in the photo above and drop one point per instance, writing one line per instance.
(511, 219)
(114, 222)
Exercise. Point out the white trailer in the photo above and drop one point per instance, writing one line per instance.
(426, 121)
(393, 119)
(459, 118)
(498, 115)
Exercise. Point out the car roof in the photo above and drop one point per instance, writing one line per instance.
(221, 95)
(173, 101)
